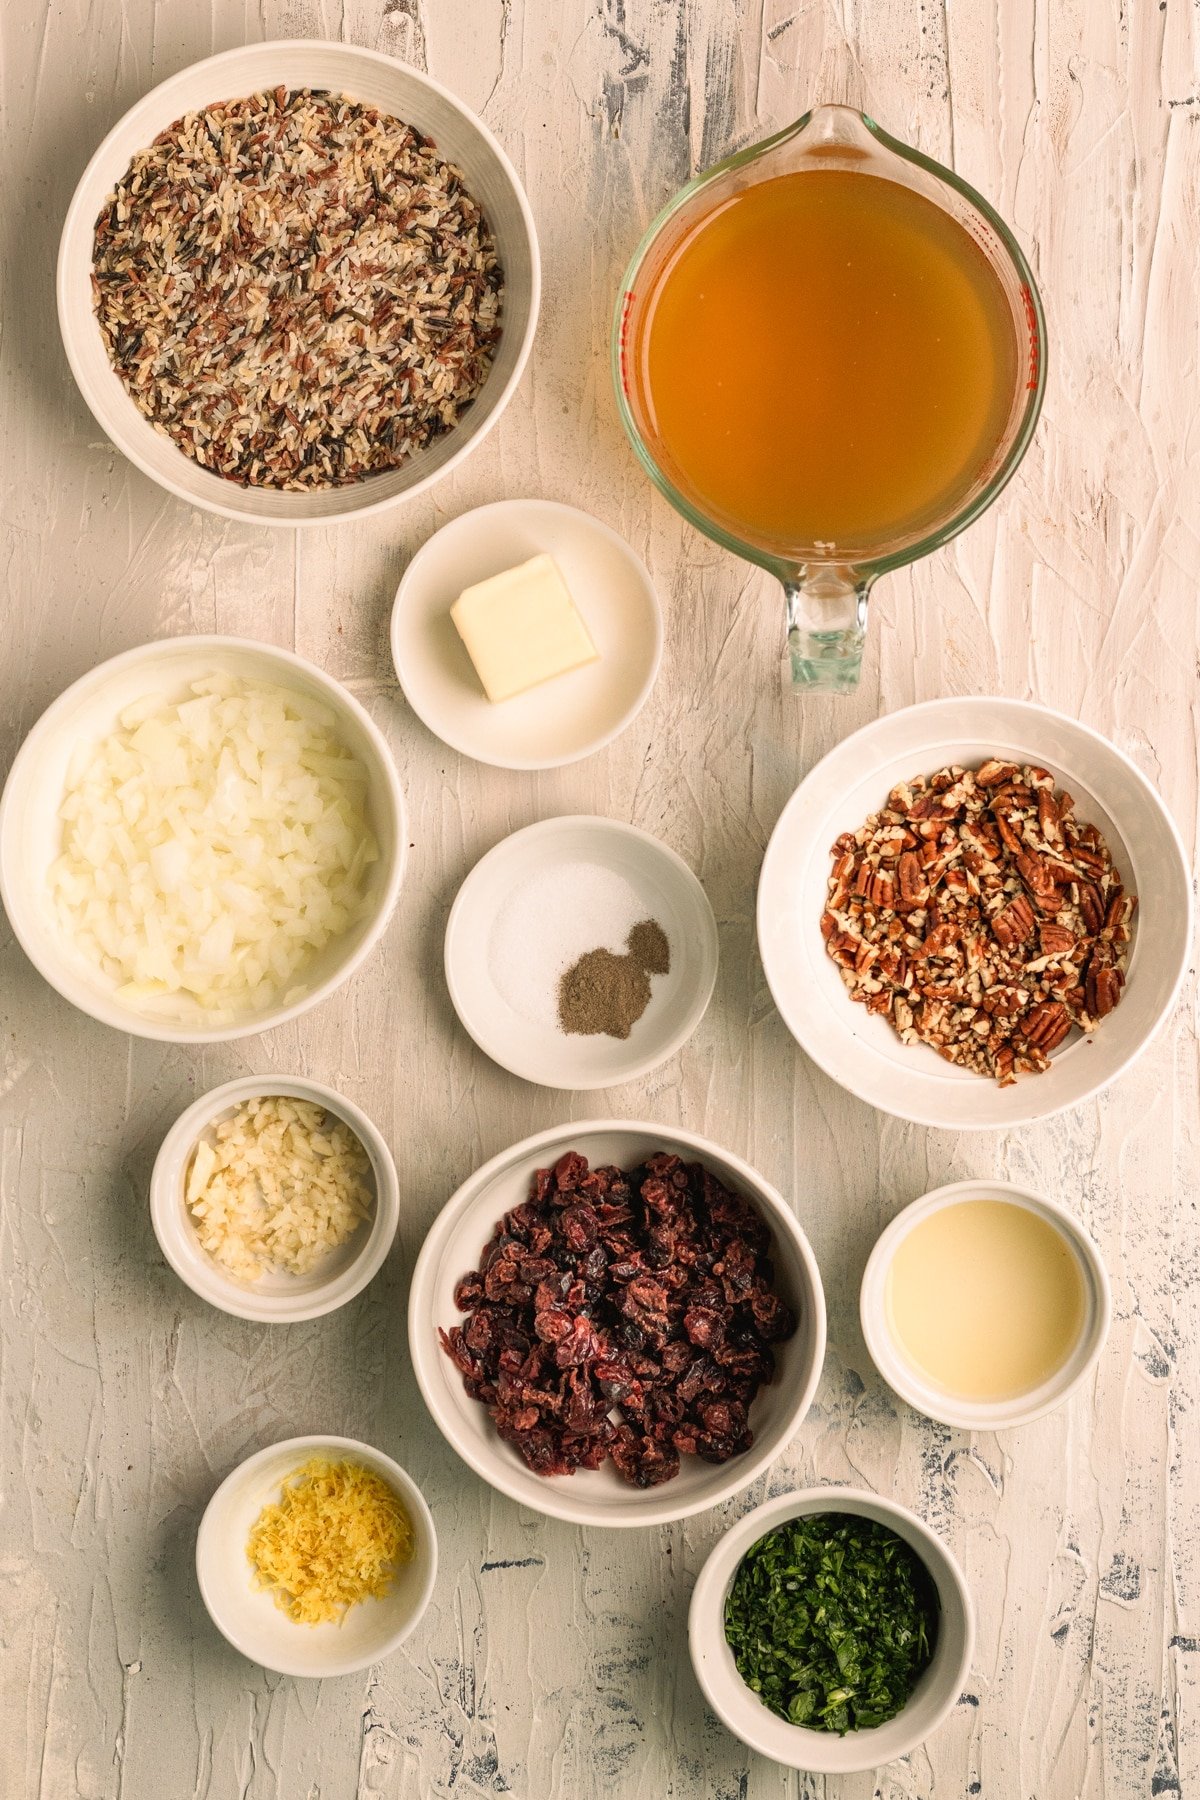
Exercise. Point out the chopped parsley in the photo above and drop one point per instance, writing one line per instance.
(831, 1619)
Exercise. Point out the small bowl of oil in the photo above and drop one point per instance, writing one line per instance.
(985, 1305)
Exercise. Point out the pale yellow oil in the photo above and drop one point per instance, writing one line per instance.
(985, 1298)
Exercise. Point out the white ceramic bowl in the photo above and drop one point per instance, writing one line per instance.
(824, 1752)
(860, 1050)
(365, 75)
(559, 721)
(600, 1497)
(248, 1616)
(514, 1021)
(958, 1410)
(276, 1298)
(86, 712)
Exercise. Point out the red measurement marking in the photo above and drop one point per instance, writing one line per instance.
(626, 308)
(1034, 345)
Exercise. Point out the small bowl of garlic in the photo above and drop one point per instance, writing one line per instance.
(274, 1199)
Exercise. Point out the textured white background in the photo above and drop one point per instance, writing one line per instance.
(552, 1662)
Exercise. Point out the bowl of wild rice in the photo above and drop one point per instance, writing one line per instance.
(274, 1199)
(298, 282)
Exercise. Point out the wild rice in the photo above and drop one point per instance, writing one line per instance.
(296, 289)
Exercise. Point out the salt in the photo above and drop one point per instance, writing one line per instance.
(547, 922)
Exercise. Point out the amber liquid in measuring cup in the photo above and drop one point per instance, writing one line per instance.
(827, 359)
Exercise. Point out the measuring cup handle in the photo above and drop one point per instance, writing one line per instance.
(826, 629)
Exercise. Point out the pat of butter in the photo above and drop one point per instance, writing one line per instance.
(522, 628)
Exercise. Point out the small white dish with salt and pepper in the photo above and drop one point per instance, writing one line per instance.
(542, 899)
(561, 720)
(277, 1297)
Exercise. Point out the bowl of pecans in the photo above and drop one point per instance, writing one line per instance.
(298, 282)
(974, 913)
(617, 1323)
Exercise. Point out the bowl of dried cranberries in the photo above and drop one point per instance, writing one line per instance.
(616, 1323)
(974, 913)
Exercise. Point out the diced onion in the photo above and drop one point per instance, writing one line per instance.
(212, 848)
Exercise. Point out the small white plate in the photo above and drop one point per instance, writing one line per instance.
(561, 720)
(860, 1050)
(510, 1011)
(248, 1616)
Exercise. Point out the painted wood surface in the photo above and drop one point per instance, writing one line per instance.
(552, 1662)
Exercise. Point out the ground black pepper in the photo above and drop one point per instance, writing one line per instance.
(606, 993)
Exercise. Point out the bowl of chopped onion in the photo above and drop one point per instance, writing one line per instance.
(274, 1198)
(316, 1557)
(201, 839)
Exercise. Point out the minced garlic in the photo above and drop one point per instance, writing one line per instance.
(336, 1536)
(281, 1185)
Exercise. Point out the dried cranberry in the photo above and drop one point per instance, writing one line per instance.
(647, 1297)
(773, 1316)
(551, 1292)
(567, 1171)
(580, 1227)
(705, 1327)
(645, 1303)
(553, 1324)
(468, 1293)
(736, 1270)
(579, 1413)
(478, 1330)
(580, 1345)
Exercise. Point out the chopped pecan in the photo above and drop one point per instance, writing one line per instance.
(1091, 908)
(1036, 874)
(882, 891)
(1048, 816)
(993, 774)
(1120, 912)
(1102, 990)
(914, 889)
(1091, 862)
(980, 916)
(1005, 1002)
(1008, 837)
(939, 941)
(1046, 1025)
(1015, 923)
(1055, 940)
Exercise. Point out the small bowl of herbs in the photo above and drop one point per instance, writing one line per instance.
(831, 1630)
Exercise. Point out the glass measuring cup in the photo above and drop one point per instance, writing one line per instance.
(826, 584)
